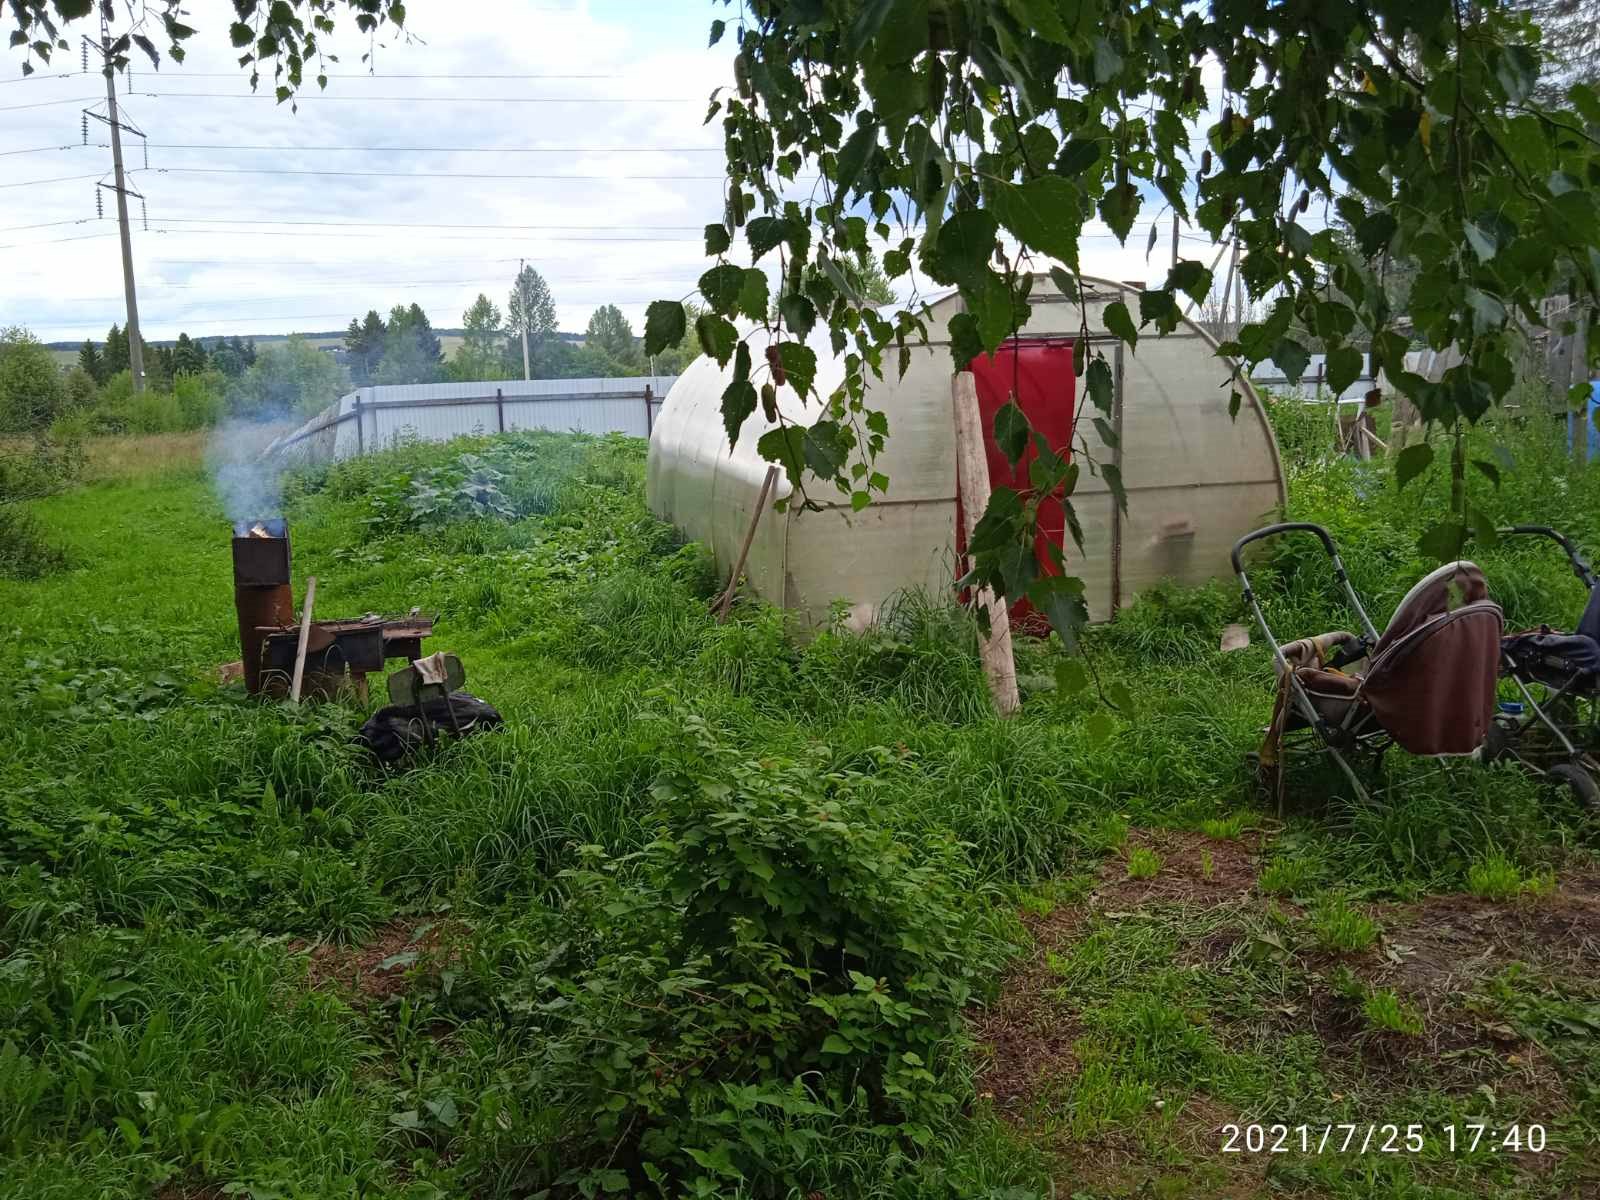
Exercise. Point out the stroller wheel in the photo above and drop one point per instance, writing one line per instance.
(1580, 781)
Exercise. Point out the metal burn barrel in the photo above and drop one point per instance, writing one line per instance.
(262, 596)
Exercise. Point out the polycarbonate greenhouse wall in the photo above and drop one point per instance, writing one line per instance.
(372, 418)
(1196, 479)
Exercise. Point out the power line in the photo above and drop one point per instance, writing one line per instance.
(47, 224)
(252, 221)
(410, 99)
(404, 225)
(57, 179)
(40, 75)
(587, 149)
(50, 103)
(82, 237)
(44, 149)
(424, 174)
(556, 281)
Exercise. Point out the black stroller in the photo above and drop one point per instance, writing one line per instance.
(1555, 729)
(1426, 684)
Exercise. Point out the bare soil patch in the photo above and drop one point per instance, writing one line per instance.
(381, 968)
(1195, 869)
(1028, 1033)
(1029, 1037)
(1446, 944)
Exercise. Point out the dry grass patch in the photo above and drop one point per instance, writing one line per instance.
(125, 456)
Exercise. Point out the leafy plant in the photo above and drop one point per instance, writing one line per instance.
(775, 954)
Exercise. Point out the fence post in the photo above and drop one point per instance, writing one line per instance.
(648, 429)
(500, 409)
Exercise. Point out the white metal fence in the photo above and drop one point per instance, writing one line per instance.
(372, 418)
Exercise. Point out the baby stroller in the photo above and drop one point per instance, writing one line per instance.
(1556, 727)
(1426, 684)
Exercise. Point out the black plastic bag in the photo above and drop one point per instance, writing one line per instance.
(397, 729)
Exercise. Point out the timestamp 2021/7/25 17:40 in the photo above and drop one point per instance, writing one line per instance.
(1469, 1137)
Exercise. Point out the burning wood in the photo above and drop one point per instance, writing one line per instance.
(259, 530)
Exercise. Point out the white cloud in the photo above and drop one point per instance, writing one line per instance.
(214, 262)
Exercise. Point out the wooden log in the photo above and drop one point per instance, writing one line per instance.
(725, 602)
(305, 634)
(972, 485)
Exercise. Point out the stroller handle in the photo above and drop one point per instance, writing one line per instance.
(1267, 531)
(1579, 567)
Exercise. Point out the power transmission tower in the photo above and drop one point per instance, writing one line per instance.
(120, 187)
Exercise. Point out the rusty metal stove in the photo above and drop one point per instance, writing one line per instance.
(262, 596)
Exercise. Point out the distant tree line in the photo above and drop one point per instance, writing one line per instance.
(404, 348)
(163, 364)
(190, 384)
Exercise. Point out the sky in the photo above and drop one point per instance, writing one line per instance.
(597, 104)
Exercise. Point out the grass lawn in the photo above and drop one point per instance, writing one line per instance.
(723, 911)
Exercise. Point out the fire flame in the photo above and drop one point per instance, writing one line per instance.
(259, 530)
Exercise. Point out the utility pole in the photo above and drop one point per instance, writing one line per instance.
(135, 343)
(1174, 239)
(522, 290)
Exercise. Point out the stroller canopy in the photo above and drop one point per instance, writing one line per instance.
(1431, 682)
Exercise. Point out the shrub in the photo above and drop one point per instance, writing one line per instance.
(34, 467)
(31, 391)
(290, 378)
(25, 553)
(199, 398)
(79, 390)
(153, 412)
(776, 955)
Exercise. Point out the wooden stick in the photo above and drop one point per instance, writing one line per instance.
(726, 601)
(972, 484)
(305, 637)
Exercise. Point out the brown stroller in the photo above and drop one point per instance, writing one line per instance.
(1426, 684)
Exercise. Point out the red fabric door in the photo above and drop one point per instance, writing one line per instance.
(1040, 373)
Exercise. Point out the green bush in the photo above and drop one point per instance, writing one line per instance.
(31, 390)
(199, 399)
(775, 956)
(25, 551)
(40, 466)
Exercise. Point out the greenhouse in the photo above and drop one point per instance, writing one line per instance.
(1195, 479)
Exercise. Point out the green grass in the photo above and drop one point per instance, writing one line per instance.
(168, 849)
(1143, 863)
(1387, 1013)
(1338, 927)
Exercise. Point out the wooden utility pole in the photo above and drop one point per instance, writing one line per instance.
(972, 485)
(135, 343)
(522, 290)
